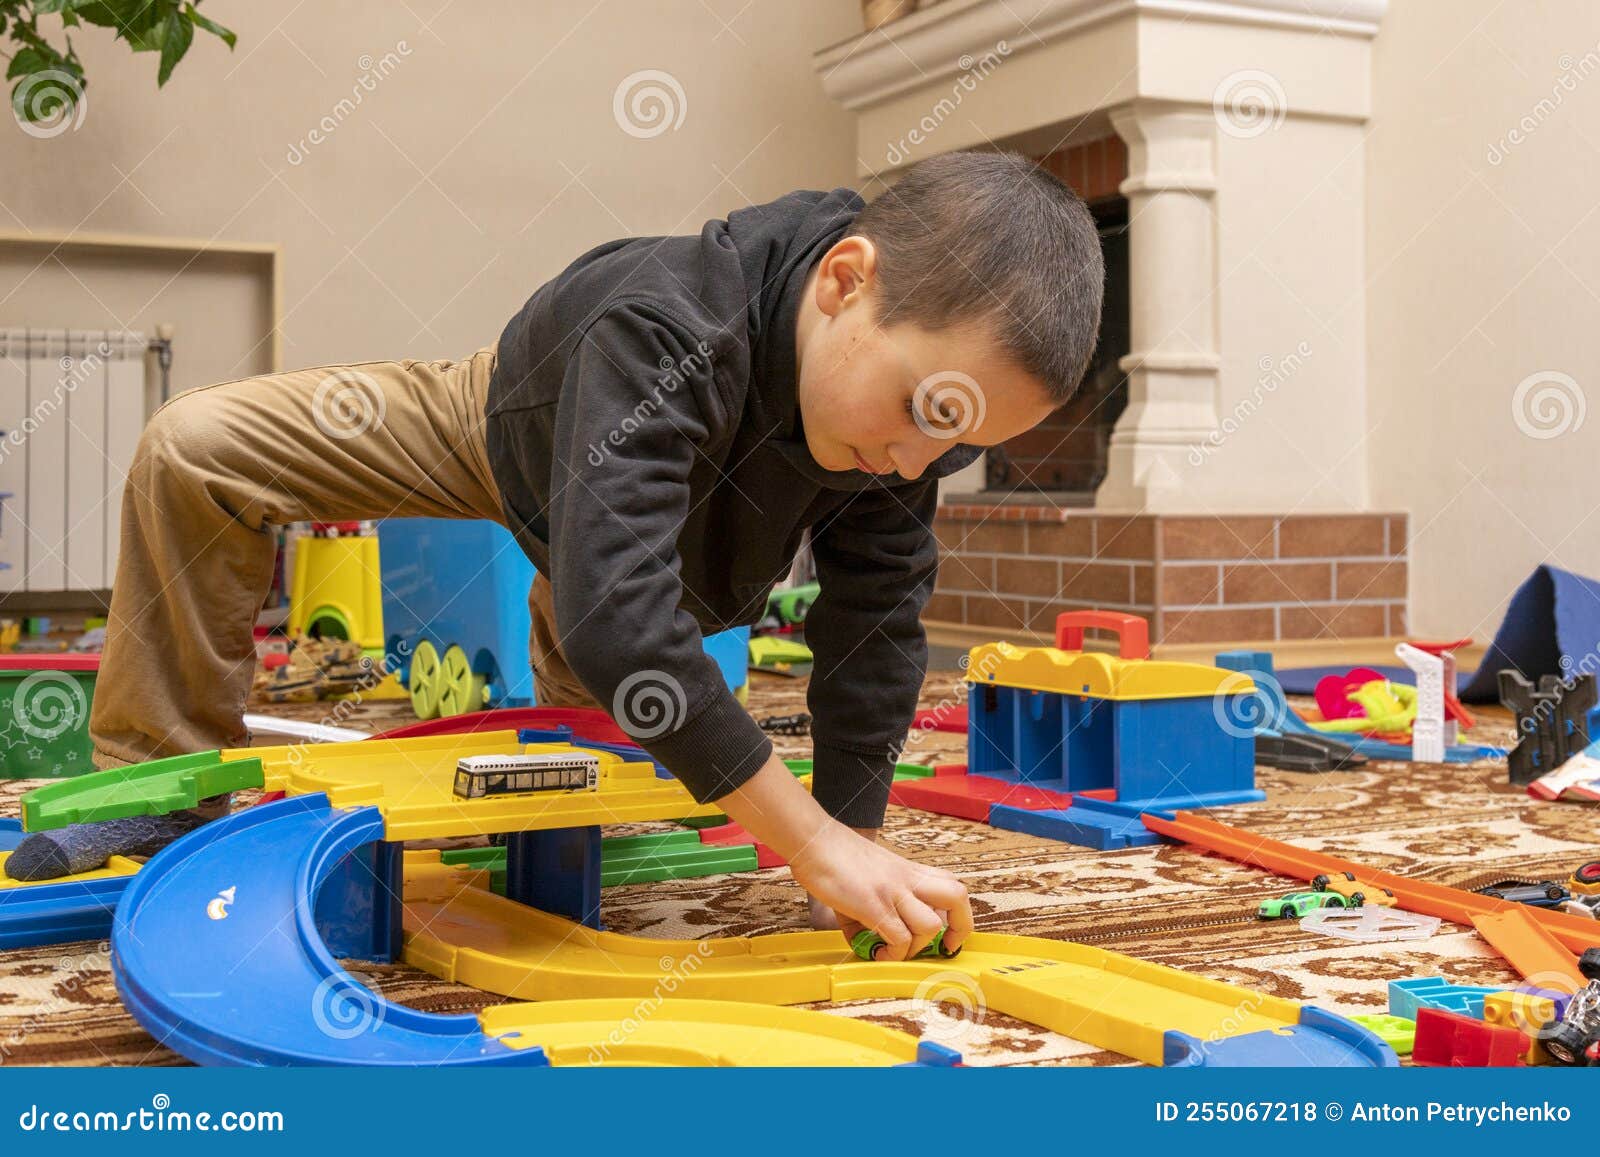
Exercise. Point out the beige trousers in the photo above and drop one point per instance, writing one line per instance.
(215, 469)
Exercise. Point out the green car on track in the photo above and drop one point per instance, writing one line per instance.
(1300, 904)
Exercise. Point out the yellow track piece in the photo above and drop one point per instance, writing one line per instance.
(693, 1032)
(115, 866)
(1097, 675)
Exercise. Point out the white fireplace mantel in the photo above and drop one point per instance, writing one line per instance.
(1244, 123)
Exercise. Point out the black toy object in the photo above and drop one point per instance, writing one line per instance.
(1552, 721)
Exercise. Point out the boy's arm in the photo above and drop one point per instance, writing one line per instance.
(876, 559)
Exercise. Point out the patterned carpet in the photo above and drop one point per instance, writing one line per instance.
(1456, 825)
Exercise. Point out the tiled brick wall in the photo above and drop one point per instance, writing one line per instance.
(1199, 579)
(1092, 170)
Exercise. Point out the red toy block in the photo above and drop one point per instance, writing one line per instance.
(961, 769)
(952, 718)
(731, 834)
(1450, 1040)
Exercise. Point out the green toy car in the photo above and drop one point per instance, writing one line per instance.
(866, 943)
(1297, 904)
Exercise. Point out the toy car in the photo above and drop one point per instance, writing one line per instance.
(1545, 894)
(1586, 880)
(1570, 1039)
(1345, 884)
(1302, 904)
(866, 943)
(1589, 964)
(485, 775)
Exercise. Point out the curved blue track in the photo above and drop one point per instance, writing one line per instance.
(249, 981)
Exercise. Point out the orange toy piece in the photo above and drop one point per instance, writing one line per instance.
(1575, 933)
(1530, 949)
(1357, 891)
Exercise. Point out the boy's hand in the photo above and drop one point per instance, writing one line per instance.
(866, 884)
(869, 886)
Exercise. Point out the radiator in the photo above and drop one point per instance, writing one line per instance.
(72, 404)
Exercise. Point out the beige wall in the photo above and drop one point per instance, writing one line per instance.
(1484, 269)
(480, 157)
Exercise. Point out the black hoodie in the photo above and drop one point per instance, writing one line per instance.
(644, 431)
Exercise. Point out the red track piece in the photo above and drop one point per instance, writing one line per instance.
(586, 722)
(1450, 1040)
(940, 769)
(970, 797)
(953, 718)
(733, 834)
(1575, 933)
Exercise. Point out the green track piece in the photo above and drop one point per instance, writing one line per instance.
(140, 789)
(1397, 1032)
(631, 859)
(901, 770)
(698, 822)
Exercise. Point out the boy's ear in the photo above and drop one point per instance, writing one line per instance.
(846, 274)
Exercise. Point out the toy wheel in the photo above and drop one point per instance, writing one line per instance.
(1357, 899)
(1555, 892)
(1589, 873)
(1320, 883)
(424, 681)
(1566, 1043)
(798, 609)
(460, 688)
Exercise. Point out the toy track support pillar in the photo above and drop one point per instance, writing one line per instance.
(1552, 721)
(1133, 633)
(1427, 730)
(358, 909)
(556, 871)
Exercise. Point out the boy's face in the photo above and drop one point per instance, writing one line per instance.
(892, 399)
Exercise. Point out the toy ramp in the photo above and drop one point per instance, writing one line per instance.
(458, 930)
(216, 954)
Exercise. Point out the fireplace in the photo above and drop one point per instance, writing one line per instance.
(1214, 475)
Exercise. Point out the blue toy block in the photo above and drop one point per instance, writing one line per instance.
(1320, 1040)
(933, 1055)
(1075, 825)
(358, 911)
(556, 871)
(1406, 996)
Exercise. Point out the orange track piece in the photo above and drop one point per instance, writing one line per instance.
(1529, 947)
(1575, 933)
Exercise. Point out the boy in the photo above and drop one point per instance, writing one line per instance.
(657, 426)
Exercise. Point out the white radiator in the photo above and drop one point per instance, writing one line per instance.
(71, 409)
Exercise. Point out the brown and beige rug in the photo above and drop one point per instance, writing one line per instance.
(1454, 824)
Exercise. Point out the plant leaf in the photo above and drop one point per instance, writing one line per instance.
(211, 26)
(178, 35)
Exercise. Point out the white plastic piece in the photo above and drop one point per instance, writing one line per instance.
(1427, 731)
(296, 729)
(1370, 924)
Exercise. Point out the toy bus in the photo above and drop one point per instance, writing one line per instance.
(484, 775)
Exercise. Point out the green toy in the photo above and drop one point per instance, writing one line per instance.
(866, 943)
(1300, 904)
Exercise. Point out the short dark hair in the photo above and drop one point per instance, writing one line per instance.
(992, 237)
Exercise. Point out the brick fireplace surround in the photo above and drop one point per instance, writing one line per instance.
(1199, 579)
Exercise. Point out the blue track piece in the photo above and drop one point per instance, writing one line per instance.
(1102, 831)
(11, 834)
(59, 913)
(1271, 712)
(1320, 1040)
(1406, 996)
(215, 952)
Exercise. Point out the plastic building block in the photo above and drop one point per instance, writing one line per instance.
(734, 835)
(1407, 996)
(1370, 925)
(635, 859)
(1552, 721)
(1273, 713)
(461, 932)
(1094, 674)
(1319, 1040)
(780, 656)
(10, 833)
(1078, 824)
(1395, 1031)
(933, 1055)
(1448, 1039)
(1528, 1013)
(556, 871)
(952, 718)
(1528, 947)
(1306, 752)
(1574, 932)
(142, 789)
(335, 591)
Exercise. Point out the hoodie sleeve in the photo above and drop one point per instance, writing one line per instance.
(876, 559)
(639, 403)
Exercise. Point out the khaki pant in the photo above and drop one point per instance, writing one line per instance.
(216, 468)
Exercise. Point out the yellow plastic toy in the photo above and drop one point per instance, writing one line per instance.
(336, 591)
(1098, 675)
(1389, 708)
(115, 866)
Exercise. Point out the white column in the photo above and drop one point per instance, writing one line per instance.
(1173, 367)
